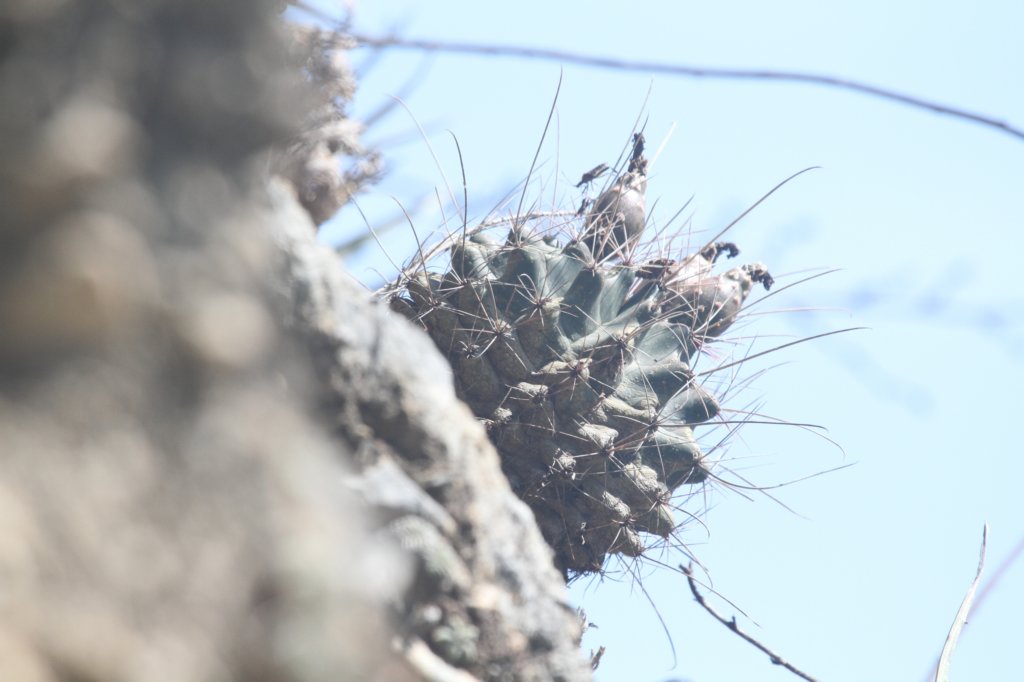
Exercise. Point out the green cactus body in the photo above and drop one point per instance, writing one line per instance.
(581, 369)
(582, 373)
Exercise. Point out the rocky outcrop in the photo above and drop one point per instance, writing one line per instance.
(220, 460)
(485, 594)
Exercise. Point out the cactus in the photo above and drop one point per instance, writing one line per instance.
(578, 360)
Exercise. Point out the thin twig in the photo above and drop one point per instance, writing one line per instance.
(942, 670)
(731, 624)
(993, 581)
(688, 70)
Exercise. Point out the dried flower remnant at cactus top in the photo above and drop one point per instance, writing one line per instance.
(579, 362)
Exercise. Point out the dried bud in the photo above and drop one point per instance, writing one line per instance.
(697, 266)
(710, 305)
(616, 221)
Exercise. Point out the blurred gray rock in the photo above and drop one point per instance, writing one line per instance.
(480, 559)
(219, 460)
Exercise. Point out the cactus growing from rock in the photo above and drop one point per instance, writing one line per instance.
(579, 360)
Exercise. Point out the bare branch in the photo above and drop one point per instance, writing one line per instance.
(942, 671)
(690, 71)
(731, 624)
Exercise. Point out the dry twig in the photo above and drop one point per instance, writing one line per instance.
(732, 625)
(942, 670)
(687, 70)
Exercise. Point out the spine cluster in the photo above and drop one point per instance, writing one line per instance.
(578, 359)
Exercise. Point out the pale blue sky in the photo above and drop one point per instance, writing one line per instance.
(922, 213)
